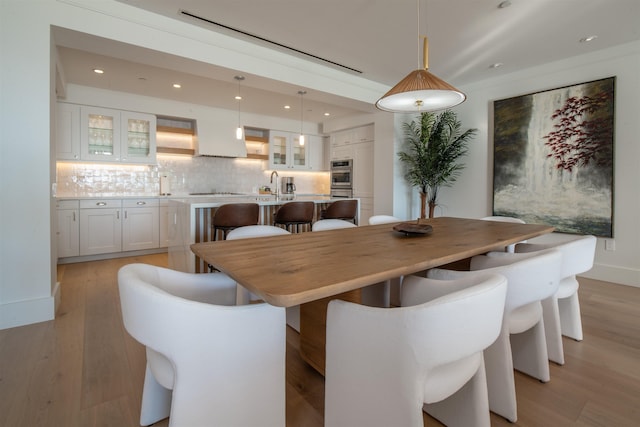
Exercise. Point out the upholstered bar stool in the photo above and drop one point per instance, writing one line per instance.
(234, 215)
(341, 209)
(294, 214)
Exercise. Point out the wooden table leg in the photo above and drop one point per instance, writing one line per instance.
(313, 328)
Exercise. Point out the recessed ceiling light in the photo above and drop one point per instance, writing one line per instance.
(496, 65)
(327, 114)
(98, 71)
(286, 107)
(238, 97)
(588, 39)
(177, 85)
(505, 3)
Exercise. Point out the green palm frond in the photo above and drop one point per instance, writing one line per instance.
(434, 145)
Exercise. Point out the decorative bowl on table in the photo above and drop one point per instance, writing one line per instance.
(413, 228)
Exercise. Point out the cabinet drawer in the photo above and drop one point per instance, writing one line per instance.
(67, 204)
(100, 204)
(140, 203)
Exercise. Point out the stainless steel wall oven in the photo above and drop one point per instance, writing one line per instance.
(342, 178)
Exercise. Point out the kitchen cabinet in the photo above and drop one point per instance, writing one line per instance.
(168, 218)
(140, 224)
(113, 225)
(317, 157)
(108, 135)
(100, 226)
(67, 130)
(68, 228)
(342, 142)
(286, 152)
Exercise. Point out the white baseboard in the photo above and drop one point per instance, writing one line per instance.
(27, 312)
(614, 274)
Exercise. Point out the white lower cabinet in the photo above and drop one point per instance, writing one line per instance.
(112, 225)
(68, 231)
(140, 224)
(100, 226)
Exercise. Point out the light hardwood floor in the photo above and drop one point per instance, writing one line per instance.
(82, 369)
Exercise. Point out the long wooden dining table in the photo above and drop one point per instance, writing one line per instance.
(309, 269)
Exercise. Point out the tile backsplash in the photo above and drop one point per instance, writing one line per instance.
(185, 175)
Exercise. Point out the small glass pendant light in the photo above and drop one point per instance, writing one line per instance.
(239, 131)
(301, 93)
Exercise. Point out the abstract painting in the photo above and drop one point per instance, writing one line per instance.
(553, 157)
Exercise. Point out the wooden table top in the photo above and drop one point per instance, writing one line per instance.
(288, 270)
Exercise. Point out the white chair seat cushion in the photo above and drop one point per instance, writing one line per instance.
(525, 317)
(447, 379)
(568, 287)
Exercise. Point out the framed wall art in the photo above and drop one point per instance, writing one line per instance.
(553, 157)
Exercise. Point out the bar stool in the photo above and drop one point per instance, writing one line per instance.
(341, 209)
(294, 214)
(234, 215)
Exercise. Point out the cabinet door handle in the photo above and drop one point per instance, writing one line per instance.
(141, 203)
(101, 204)
(126, 215)
(117, 214)
(74, 216)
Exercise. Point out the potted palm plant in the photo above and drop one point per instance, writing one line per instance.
(435, 144)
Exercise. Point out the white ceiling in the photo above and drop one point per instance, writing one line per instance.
(378, 38)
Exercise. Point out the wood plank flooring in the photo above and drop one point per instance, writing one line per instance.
(82, 369)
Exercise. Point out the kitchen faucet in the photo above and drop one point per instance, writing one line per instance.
(271, 181)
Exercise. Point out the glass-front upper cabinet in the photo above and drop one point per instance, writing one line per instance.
(100, 134)
(108, 135)
(138, 137)
(278, 149)
(286, 151)
(298, 153)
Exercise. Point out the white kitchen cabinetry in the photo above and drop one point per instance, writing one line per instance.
(168, 220)
(140, 225)
(67, 131)
(363, 178)
(317, 156)
(342, 142)
(108, 135)
(68, 231)
(100, 226)
(286, 152)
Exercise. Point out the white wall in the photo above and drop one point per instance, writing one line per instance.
(471, 195)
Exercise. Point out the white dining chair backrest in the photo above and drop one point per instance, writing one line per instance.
(190, 328)
(531, 278)
(379, 360)
(503, 219)
(577, 253)
(331, 224)
(383, 219)
(250, 231)
(562, 316)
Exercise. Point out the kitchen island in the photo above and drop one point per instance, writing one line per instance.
(190, 222)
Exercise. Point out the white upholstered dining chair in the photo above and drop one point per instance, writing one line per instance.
(383, 219)
(392, 287)
(243, 296)
(562, 312)
(509, 248)
(521, 343)
(209, 362)
(331, 224)
(382, 364)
